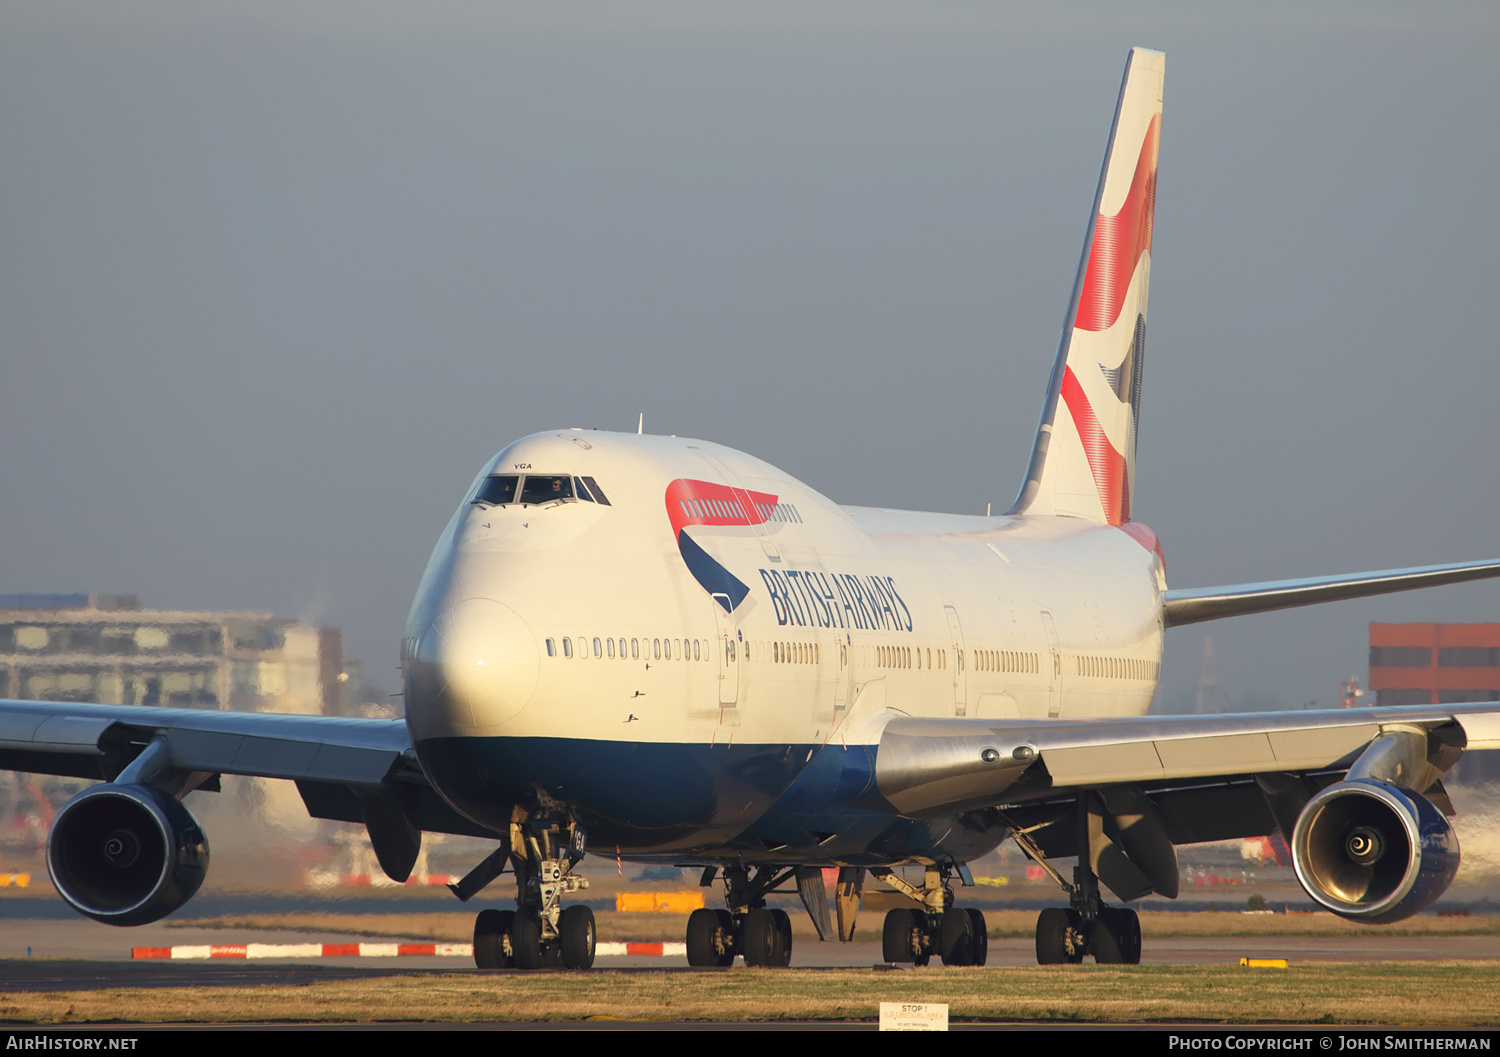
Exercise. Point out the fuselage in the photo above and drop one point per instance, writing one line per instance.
(696, 653)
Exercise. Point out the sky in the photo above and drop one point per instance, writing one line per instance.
(276, 279)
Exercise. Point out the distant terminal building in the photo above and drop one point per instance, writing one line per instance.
(1434, 664)
(1438, 664)
(106, 648)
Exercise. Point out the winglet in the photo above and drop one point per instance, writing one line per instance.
(1083, 459)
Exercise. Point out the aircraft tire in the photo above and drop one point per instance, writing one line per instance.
(1058, 937)
(761, 938)
(895, 936)
(1117, 937)
(979, 938)
(726, 931)
(955, 938)
(526, 940)
(783, 952)
(492, 941)
(702, 938)
(578, 935)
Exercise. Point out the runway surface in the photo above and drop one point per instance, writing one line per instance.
(80, 954)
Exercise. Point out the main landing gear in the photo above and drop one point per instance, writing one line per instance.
(540, 933)
(1064, 935)
(957, 935)
(761, 935)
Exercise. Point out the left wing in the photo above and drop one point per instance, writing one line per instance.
(1124, 792)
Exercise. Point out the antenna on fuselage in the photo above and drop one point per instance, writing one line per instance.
(640, 427)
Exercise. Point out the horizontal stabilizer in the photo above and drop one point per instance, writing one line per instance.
(1214, 603)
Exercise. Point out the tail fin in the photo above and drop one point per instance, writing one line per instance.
(1083, 461)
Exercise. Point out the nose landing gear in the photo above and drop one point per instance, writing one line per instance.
(539, 934)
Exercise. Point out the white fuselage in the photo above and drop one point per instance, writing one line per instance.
(552, 620)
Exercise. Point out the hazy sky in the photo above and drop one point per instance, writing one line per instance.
(275, 279)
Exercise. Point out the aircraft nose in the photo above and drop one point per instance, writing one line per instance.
(474, 668)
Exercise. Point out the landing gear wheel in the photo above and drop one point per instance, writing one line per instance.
(783, 938)
(979, 938)
(1059, 937)
(1117, 937)
(576, 930)
(526, 941)
(896, 936)
(492, 942)
(955, 939)
(726, 936)
(704, 940)
(762, 938)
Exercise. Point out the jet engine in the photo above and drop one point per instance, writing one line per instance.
(126, 854)
(1372, 852)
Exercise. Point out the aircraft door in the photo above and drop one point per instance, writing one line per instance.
(731, 653)
(838, 661)
(1053, 663)
(960, 683)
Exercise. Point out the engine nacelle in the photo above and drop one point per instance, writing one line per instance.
(126, 854)
(1371, 852)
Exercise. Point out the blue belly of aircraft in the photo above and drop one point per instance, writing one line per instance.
(697, 803)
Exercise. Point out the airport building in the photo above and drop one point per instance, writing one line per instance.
(1439, 664)
(1434, 664)
(106, 648)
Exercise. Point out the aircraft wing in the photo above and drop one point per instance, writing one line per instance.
(1125, 792)
(350, 770)
(1213, 603)
(932, 767)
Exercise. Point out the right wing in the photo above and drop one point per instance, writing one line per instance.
(1213, 603)
(351, 770)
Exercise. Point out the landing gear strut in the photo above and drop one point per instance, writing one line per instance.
(913, 935)
(761, 935)
(539, 933)
(1086, 926)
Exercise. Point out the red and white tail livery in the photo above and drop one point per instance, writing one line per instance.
(1083, 462)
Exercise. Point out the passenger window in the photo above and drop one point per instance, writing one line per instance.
(539, 489)
(611, 644)
(567, 647)
(598, 647)
(551, 648)
(497, 490)
(656, 649)
(635, 649)
(622, 649)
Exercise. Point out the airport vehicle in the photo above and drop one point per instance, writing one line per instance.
(673, 652)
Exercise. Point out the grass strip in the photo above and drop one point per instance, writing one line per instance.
(1381, 993)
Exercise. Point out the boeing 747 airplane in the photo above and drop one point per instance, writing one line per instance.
(676, 653)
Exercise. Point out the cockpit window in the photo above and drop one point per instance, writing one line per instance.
(540, 489)
(593, 486)
(498, 490)
(581, 490)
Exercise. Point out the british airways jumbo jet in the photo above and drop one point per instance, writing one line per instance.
(674, 652)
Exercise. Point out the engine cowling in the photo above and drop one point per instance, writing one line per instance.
(126, 854)
(1372, 852)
